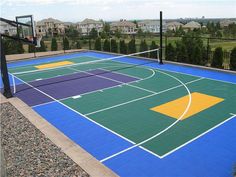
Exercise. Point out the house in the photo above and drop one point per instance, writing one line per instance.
(226, 23)
(68, 24)
(50, 26)
(125, 27)
(152, 26)
(173, 26)
(192, 25)
(6, 28)
(88, 24)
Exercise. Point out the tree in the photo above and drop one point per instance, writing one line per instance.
(233, 59)
(117, 33)
(106, 45)
(93, 33)
(106, 29)
(42, 47)
(143, 47)
(123, 47)
(54, 44)
(98, 44)
(181, 52)
(217, 58)
(114, 47)
(170, 52)
(12, 47)
(132, 46)
(78, 46)
(71, 32)
(197, 55)
(140, 32)
(66, 44)
(154, 53)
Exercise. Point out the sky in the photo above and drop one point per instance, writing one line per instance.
(108, 10)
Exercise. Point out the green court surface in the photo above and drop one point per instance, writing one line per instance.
(125, 109)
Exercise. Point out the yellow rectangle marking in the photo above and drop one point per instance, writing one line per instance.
(53, 65)
(177, 107)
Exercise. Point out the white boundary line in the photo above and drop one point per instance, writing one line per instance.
(161, 132)
(199, 136)
(141, 98)
(147, 90)
(141, 79)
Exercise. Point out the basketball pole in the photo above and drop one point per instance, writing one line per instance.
(4, 72)
(161, 44)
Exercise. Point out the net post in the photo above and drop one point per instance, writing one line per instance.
(4, 73)
(161, 45)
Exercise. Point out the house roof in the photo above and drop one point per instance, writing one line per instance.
(42, 22)
(123, 23)
(192, 24)
(90, 21)
(174, 24)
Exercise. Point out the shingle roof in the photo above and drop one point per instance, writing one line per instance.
(49, 20)
(123, 24)
(192, 24)
(89, 21)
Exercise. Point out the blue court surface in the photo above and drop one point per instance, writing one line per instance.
(125, 117)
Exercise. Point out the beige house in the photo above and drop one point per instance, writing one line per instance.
(124, 26)
(50, 26)
(226, 23)
(88, 24)
(173, 25)
(6, 28)
(192, 25)
(152, 26)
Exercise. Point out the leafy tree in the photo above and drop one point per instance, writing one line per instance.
(71, 32)
(12, 47)
(233, 62)
(66, 44)
(78, 46)
(42, 47)
(170, 52)
(54, 44)
(98, 44)
(106, 45)
(114, 47)
(132, 46)
(106, 29)
(143, 47)
(154, 53)
(123, 47)
(117, 33)
(93, 33)
(217, 58)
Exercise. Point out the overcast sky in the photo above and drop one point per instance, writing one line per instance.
(77, 10)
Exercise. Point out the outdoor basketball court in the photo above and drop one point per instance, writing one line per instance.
(137, 117)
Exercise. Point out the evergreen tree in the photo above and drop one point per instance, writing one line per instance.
(78, 46)
(217, 58)
(114, 47)
(132, 46)
(12, 47)
(123, 47)
(93, 33)
(143, 47)
(170, 52)
(181, 52)
(106, 29)
(197, 55)
(106, 45)
(54, 44)
(233, 59)
(66, 44)
(154, 53)
(117, 33)
(98, 44)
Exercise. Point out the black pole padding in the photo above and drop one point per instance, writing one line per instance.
(161, 44)
(4, 73)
